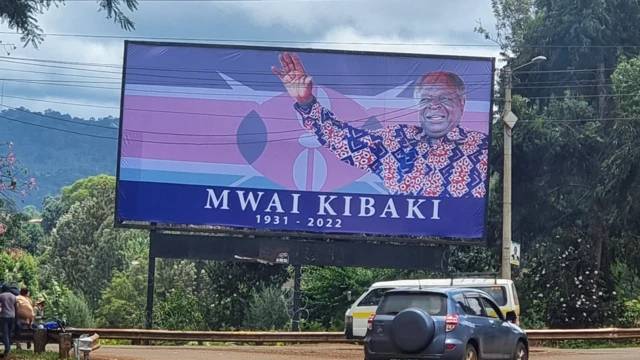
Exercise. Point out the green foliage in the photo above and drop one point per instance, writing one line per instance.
(100, 187)
(30, 355)
(123, 302)
(30, 237)
(84, 248)
(180, 311)
(52, 210)
(19, 268)
(21, 15)
(78, 313)
(229, 288)
(267, 310)
(326, 290)
(54, 307)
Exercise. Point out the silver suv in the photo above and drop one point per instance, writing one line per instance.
(446, 324)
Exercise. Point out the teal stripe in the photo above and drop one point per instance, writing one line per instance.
(177, 177)
(256, 182)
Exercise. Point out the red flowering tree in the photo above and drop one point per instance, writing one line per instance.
(15, 183)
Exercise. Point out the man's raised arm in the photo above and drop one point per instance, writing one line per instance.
(358, 147)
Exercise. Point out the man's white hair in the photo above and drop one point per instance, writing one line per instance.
(450, 79)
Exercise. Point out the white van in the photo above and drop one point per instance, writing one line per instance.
(501, 290)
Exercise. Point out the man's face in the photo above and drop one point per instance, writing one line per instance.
(441, 107)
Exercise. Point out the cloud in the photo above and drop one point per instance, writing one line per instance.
(348, 38)
(382, 23)
(432, 19)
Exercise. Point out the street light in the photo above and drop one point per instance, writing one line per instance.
(509, 120)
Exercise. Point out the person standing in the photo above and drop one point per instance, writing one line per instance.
(7, 317)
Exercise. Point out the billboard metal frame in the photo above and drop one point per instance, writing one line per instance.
(250, 232)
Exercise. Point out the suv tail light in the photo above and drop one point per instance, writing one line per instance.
(370, 321)
(451, 322)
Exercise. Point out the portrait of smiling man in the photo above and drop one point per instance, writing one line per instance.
(439, 158)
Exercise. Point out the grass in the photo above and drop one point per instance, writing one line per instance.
(30, 355)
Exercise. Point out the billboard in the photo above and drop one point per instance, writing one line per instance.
(304, 140)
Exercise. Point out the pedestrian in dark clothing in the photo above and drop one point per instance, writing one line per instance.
(7, 317)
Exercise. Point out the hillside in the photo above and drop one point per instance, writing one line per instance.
(57, 158)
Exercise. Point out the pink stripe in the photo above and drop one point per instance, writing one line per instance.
(170, 116)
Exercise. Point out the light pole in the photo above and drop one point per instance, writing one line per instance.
(509, 120)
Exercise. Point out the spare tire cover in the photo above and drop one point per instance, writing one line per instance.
(412, 330)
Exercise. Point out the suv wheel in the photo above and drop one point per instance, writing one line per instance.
(521, 352)
(470, 353)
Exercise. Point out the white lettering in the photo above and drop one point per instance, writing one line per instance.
(366, 206)
(324, 205)
(413, 209)
(224, 198)
(295, 204)
(250, 199)
(347, 206)
(275, 201)
(436, 208)
(391, 207)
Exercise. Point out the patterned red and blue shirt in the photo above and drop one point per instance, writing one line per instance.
(408, 162)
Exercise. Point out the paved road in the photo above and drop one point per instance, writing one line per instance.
(315, 352)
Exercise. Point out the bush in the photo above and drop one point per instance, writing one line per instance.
(19, 268)
(267, 310)
(180, 311)
(77, 311)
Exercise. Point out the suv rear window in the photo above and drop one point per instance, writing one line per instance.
(433, 304)
(498, 293)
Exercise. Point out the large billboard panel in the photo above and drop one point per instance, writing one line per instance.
(304, 140)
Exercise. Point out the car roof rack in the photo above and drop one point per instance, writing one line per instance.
(494, 275)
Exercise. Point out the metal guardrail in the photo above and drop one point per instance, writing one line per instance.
(215, 336)
(583, 334)
(326, 337)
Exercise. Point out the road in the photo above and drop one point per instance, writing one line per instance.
(314, 352)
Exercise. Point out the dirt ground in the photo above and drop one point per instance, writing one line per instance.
(315, 352)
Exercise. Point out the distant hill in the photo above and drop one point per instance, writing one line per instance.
(59, 158)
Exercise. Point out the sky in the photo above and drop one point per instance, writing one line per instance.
(415, 26)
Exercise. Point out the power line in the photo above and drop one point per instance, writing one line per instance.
(118, 79)
(40, 62)
(260, 41)
(384, 114)
(274, 140)
(57, 129)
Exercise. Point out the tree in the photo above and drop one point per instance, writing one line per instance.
(122, 304)
(229, 289)
(21, 15)
(52, 210)
(101, 187)
(574, 169)
(84, 248)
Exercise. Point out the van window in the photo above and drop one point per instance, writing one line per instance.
(516, 302)
(497, 293)
(373, 297)
(433, 304)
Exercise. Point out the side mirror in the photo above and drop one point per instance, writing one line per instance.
(511, 317)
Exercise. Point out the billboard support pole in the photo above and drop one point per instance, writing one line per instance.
(297, 279)
(150, 284)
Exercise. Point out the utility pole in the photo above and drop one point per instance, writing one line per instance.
(506, 178)
(509, 120)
